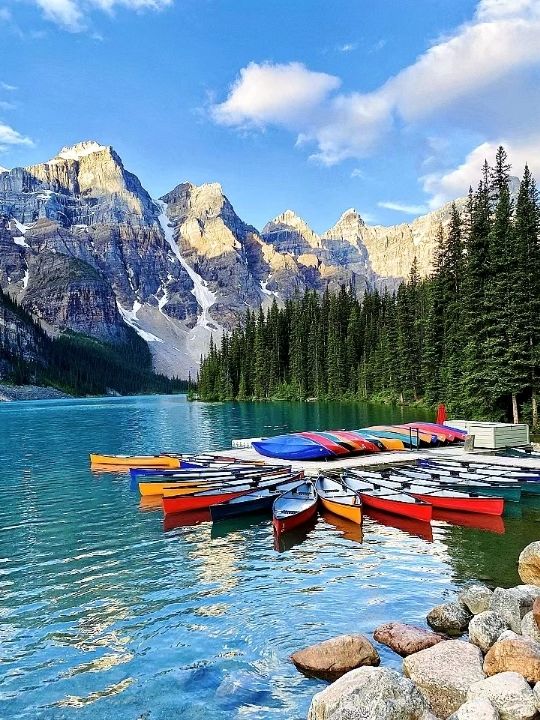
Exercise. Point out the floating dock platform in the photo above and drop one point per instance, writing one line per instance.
(242, 450)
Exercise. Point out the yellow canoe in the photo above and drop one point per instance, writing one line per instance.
(339, 500)
(390, 444)
(136, 461)
(147, 489)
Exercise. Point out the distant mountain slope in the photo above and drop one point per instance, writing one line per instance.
(84, 248)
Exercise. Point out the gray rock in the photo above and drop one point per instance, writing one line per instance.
(509, 693)
(509, 635)
(514, 603)
(536, 693)
(480, 709)
(451, 618)
(529, 627)
(529, 564)
(476, 598)
(485, 629)
(333, 658)
(444, 673)
(369, 694)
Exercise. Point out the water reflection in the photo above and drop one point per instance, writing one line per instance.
(489, 523)
(413, 527)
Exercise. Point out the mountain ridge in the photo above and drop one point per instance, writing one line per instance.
(85, 248)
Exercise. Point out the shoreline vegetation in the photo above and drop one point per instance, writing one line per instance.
(468, 335)
(78, 365)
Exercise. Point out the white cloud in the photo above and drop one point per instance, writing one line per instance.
(458, 77)
(280, 94)
(9, 136)
(452, 183)
(403, 207)
(5, 105)
(357, 173)
(7, 86)
(347, 47)
(72, 14)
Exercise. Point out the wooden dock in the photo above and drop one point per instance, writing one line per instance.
(382, 459)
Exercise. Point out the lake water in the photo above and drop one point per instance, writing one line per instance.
(105, 613)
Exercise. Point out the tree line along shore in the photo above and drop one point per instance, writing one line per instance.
(467, 336)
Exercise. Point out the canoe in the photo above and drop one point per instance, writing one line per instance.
(425, 437)
(389, 501)
(186, 485)
(444, 433)
(386, 443)
(509, 471)
(317, 445)
(174, 501)
(136, 461)
(510, 492)
(294, 508)
(236, 469)
(338, 499)
(257, 501)
(393, 436)
(445, 499)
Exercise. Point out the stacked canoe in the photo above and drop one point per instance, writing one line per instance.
(342, 443)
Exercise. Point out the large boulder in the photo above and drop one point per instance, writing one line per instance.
(406, 639)
(536, 693)
(529, 564)
(509, 693)
(476, 598)
(514, 603)
(444, 673)
(521, 655)
(530, 628)
(371, 694)
(333, 658)
(451, 618)
(536, 610)
(485, 629)
(476, 710)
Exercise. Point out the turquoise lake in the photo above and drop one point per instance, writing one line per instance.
(105, 613)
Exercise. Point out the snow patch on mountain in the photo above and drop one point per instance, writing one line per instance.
(80, 150)
(130, 318)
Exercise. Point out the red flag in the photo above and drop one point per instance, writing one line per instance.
(441, 414)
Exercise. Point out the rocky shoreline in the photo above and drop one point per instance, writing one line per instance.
(12, 393)
(492, 672)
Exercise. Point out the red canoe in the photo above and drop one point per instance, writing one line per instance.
(202, 500)
(294, 508)
(390, 501)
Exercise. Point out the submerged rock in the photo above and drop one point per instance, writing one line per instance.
(486, 628)
(476, 598)
(529, 564)
(370, 693)
(480, 709)
(406, 639)
(521, 655)
(509, 693)
(514, 603)
(444, 673)
(451, 618)
(333, 658)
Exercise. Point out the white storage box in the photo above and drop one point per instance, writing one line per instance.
(493, 436)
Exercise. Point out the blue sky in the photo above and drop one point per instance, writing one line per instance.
(313, 106)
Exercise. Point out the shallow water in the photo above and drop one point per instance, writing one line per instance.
(105, 613)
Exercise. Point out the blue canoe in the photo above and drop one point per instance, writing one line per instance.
(292, 447)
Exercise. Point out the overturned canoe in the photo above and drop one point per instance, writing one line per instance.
(317, 445)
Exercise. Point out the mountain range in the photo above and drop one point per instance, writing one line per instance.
(85, 248)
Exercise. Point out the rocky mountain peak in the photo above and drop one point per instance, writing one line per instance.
(82, 149)
(349, 227)
(288, 232)
(3, 169)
